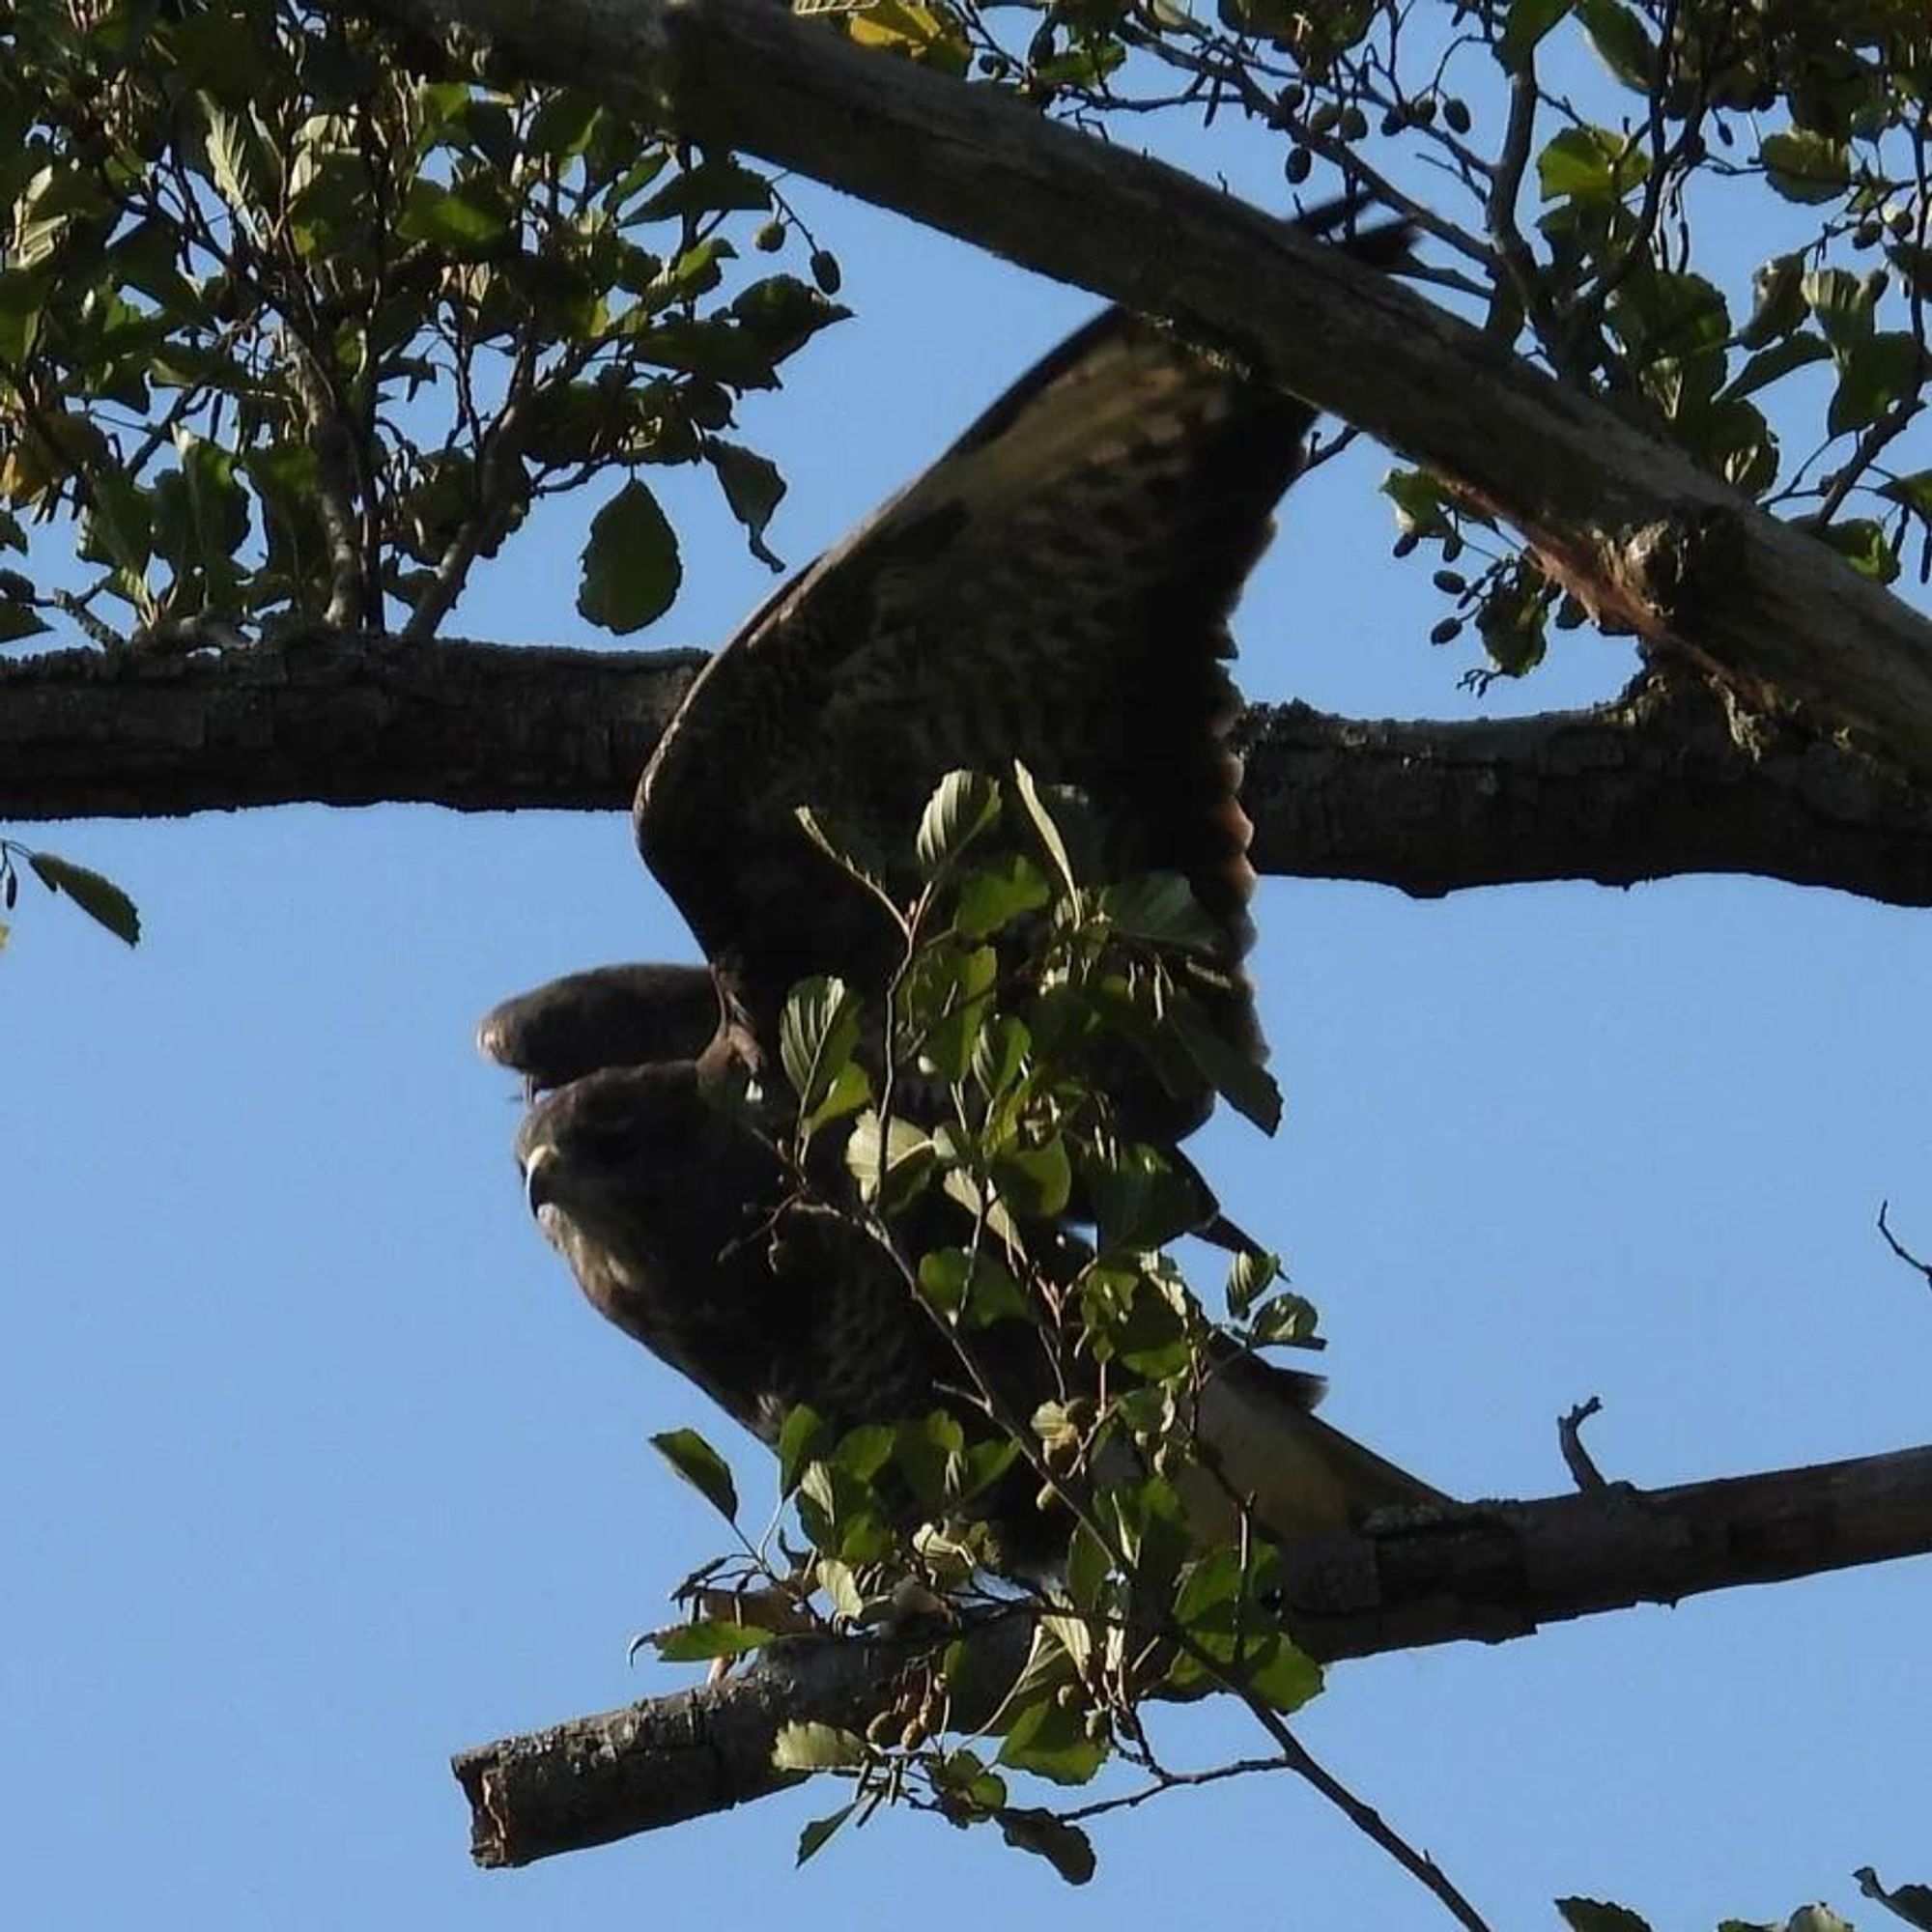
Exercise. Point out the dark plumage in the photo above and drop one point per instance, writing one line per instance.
(663, 1204)
(1055, 589)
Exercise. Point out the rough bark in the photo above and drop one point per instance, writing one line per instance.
(1486, 1571)
(334, 718)
(1664, 781)
(1628, 521)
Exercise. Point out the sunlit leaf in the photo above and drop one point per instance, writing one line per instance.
(963, 806)
(699, 1642)
(816, 1747)
(1803, 165)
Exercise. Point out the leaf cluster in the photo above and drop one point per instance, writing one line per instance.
(292, 332)
(960, 1118)
(1574, 169)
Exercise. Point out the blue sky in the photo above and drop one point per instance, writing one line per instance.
(318, 1469)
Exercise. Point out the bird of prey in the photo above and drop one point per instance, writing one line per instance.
(1054, 590)
(660, 1201)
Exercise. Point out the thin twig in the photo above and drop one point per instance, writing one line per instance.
(1583, 1471)
(1903, 1252)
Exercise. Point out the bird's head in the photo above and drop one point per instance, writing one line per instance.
(630, 1157)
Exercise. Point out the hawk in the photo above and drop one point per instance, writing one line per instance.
(1054, 590)
(660, 1201)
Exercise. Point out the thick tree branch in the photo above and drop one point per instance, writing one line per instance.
(336, 719)
(1662, 783)
(1645, 538)
(1489, 1572)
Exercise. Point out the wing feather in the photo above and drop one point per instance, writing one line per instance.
(1056, 589)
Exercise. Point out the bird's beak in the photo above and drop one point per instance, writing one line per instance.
(537, 1176)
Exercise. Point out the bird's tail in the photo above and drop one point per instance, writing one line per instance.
(1265, 1453)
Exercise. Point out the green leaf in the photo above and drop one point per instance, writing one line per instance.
(699, 1642)
(99, 898)
(1249, 1089)
(1000, 1054)
(1051, 1740)
(1806, 166)
(1621, 44)
(468, 220)
(1862, 543)
(23, 302)
(995, 892)
(1066, 1848)
(1843, 303)
(1914, 492)
(943, 1275)
(117, 523)
(963, 1774)
(1421, 506)
(1160, 907)
(818, 1033)
(1141, 1200)
(802, 1439)
(1284, 1674)
(701, 1466)
(1286, 1320)
(963, 806)
(1044, 828)
(18, 621)
(1088, 1568)
(1874, 375)
(1527, 21)
(813, 1747)
(1779, 304)
(820, 1829)
(1590, 164)
(1250, 1276)
(241, 161)
(942, 1002)
(631, 567)
(978, 1290)
(910, 1159)
(1034, 1183)
(1590, 1915)
(718, 184)
(853, 851)
(1794, 351)
(753, 487)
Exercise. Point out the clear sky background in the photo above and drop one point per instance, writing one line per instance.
(316, 1467)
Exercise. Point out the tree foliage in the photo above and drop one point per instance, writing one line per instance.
(1024, 972)
(1636, 132)
(293, 333)
(296, 327)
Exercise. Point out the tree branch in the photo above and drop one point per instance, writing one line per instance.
(1662, 783)
(1646, 539)
(1486, 1571)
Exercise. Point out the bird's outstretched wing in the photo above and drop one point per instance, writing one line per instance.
(1055, 589)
